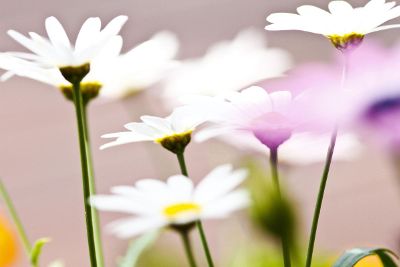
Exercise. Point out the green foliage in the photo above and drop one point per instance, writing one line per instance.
(136, 248)
(352, 256)
(37, 250)
(275, 215)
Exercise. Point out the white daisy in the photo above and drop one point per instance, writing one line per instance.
(344, 25)
(156, 204)
(57, 51)
(227, 66)
(173, 132)
(141, 67)
(116, 75)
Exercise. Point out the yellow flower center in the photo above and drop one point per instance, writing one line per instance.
(346, 41)
(175, 143)
(175, 210)
(89, 90)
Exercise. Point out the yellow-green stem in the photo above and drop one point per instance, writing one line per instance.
(16, 219)
(92, 186)
(86, 171)
(275, 177)
(199, 225)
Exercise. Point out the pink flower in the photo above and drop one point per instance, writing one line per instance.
(271, 117)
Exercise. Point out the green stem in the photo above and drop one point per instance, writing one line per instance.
(92, 186)
(188, 248)
(275, 177)
(320, 198)
(325, 174)
(86, 171)
(199, 225)
(17, 221)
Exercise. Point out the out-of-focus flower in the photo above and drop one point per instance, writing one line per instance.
(372, 96)
(302, 148)
(173, 132)
(113, 74)
(141, 67)
(8, 244)
(57, 51)
(270, 117)
(370, 261)
(227, 66)
(157, 204)
(344, 25)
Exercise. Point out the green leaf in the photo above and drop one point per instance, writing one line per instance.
(37, 250)
(136, 248)
(352, 256)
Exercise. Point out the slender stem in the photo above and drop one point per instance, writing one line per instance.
(182, 163)
(188, 248)
(325, 174)
(92, 186)
(17, 221)
(275, 177)
(320, 198)
(199, 225)
(86, 173)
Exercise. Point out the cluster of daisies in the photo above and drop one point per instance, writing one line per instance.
(295, 113)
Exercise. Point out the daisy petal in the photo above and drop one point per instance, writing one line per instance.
(126, 228)
(56, 33)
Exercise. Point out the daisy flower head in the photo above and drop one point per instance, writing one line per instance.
(227, 66)
(173, 132)
(343, 24)
(177, 203)
(101, 69)
(268, 116)
(142, 66)
(57, 50)
(112, 74)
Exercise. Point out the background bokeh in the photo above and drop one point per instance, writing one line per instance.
(39, 158)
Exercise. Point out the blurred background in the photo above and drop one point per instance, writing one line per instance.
(39, 159)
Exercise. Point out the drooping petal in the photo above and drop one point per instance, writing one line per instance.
(130, 227)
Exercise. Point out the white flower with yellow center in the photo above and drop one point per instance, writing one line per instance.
(57, 51)
(344, 25)
(227, 66)
(156, 204)
(173, 132)
(116, 75)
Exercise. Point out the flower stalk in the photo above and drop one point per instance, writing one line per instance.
(16, 219)
(188, 248)
(325, 174)
(199, 225)
(275, 178)
(320, 198)
(87, 177)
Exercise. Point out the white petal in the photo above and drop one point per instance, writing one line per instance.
(130, 227)
(338, 7)
(180, 188)
(160, 124)
(88, 33)
(117, 204)
(143, 129)
(124, 138)
(236, 200)
(218, 183)
(114, 26)
(56, 33)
